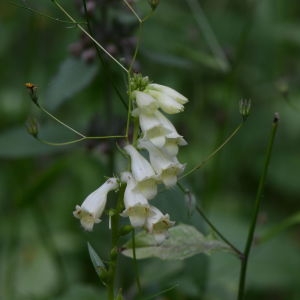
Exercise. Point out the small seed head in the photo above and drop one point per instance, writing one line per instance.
(32, 90)
(153, 3)
(32, 127)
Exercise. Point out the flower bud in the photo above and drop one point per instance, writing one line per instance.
(168, 91)
(32, 90)
(32, 127)
(153, 3)
(245, 105)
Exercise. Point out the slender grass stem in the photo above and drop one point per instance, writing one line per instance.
(133, 11)
(221, 236)
(214, 152)
(114, 253)
(87, 34)
(244, 263)
(41, 14)
(60, 122)
(213, 227)
(138, 283)
(208, 34)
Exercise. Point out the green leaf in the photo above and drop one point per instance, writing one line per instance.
(73, 76)
(279, 228)
(96, 261)
(184, 241)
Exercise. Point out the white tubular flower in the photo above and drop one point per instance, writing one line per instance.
(145, 102)
(168, 104)
(172, 139)
(158, 224)
(93, 206)
(136, 204)
(168, 91)
(166, 167)
(143, 173)
(153, 129)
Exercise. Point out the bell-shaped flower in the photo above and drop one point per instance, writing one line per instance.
(168, 91)
(153, 129)
(93, 206)
(136, 205)
(145, 102)
(166, 167)
(143, 173)
(158, 224)
(172, 138)
(168, 104)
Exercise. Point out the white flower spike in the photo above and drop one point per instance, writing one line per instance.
(136, 204)
(168, 91)
(158, 224)
(143, 173)
(168, 104)
(145, 102)
(93, 206)
(166, 167)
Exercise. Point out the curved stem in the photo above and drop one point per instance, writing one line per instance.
(250, 237)
(213, 227)
(213, 153)
(60, 122)
(87, 34)
(221, 236)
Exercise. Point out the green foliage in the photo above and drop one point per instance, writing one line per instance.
(184, 241)
(43, 255)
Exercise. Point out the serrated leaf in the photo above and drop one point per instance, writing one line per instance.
(73, 76)
(184, 241)
(96, 261)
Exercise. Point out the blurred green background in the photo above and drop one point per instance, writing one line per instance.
(216, 54)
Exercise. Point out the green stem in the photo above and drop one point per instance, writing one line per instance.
(41, 14)
(213, 227)
(138, 283)
(221, 236)
(115, 224)
(244, 263)
(87, 34)
(214, 152)
(60, 122)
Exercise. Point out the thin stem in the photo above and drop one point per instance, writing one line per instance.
(259, 193)
(133, 11)
(80, 140)
(87, 33)
(214, 152)
(213, 227)
(60, 122)
(41, 14)
(221, 236)
(138, 283)
(115, 224)
(208, 34)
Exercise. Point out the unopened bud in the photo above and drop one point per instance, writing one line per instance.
(125, 230)
(32, 90)
(190, 202)
(153, 3)
(138, 82)
(119, 296)
(245, 105)
(32, 127)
